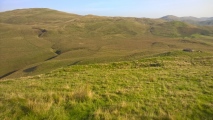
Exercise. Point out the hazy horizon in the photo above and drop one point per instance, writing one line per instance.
(122, 8)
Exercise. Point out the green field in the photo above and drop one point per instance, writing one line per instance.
(170, 86)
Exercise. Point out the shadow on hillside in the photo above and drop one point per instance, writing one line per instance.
(7, 74)
(30, 69)
(41, 31)
(75, 63)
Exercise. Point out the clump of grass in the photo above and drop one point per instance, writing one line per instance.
(39, 106)
(102, 115)
(82, 93)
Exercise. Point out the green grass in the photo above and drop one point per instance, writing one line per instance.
(175, 85)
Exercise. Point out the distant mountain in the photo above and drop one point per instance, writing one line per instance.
(206, 18)
(207, 22)
(171, 18)
(191, 20)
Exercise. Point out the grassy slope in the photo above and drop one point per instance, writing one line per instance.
(172, 85)
(87, 39)
(20, 42)
(19, 48)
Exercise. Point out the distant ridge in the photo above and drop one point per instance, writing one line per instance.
(191, 20)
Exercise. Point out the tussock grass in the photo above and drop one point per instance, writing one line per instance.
(178, 87)
(82, 93)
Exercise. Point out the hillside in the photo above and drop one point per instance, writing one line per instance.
(36, 41)
(205, 21)
(172, 86)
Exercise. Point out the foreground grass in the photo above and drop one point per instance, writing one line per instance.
(174, 85)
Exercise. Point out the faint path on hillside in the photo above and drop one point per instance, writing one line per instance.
(64, 26)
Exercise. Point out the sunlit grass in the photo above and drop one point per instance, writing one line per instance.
(168, 86)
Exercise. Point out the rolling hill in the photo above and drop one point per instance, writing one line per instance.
(35, 41)
(205, 21)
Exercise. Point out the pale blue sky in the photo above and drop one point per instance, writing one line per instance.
(127, 8)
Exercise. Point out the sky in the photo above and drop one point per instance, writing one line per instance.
(124, 8)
